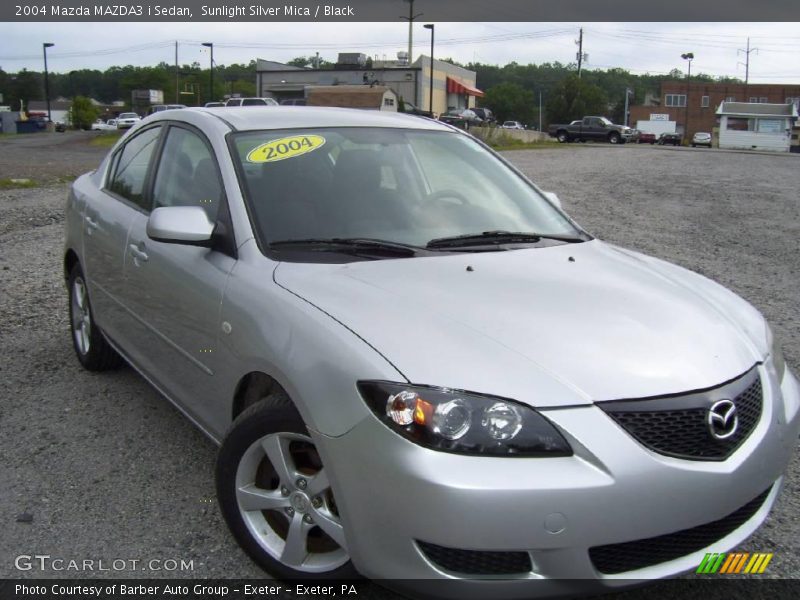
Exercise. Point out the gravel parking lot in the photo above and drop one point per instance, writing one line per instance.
(99, 466)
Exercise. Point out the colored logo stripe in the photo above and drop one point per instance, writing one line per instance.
(734, 563)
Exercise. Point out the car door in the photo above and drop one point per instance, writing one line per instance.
(107, 219)
(175, 289)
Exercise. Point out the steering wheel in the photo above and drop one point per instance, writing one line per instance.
(448, 193)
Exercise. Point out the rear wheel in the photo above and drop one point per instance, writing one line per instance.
(91, 347)
(276, 497)
(562, 137)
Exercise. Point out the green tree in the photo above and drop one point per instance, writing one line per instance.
(510, 101)
(574, 98)
(84, 113)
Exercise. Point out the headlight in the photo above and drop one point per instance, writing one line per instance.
(776, 352)
(461, 422)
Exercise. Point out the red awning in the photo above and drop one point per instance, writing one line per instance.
(456, 87)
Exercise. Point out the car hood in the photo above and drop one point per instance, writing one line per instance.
(554, 326)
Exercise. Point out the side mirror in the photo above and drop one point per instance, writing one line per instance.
(553, 197)
(180, 225)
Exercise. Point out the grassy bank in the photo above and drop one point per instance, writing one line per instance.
(106, 140)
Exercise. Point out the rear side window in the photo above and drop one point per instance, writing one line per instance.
(187, 173)
(133, 160)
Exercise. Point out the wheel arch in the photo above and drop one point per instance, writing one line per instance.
(70, 260)
(251, 388)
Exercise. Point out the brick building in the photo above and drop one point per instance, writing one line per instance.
(704, 98)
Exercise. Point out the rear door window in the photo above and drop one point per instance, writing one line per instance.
(132, 163)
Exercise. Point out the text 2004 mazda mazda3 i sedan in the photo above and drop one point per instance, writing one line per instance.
(418, 367)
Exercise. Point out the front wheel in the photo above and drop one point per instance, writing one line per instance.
(276, 497)
(613, 138)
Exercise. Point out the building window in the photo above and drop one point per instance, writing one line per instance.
(730, 99)
(704, 102)
(795, 100)
(759, 100)
(771, 126)
(388, 101)
(740, 124)
(675, 100)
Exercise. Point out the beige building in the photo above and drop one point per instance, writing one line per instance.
(453, 86)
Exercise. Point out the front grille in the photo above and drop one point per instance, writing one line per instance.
(476, 562)
(629, 556)
(681, 429)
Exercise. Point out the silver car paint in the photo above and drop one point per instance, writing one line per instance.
(317, 329)
(541, 326)
(611, 491)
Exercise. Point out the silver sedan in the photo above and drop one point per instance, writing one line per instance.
(417, 366)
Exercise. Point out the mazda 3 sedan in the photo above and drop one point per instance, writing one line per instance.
(416, 365)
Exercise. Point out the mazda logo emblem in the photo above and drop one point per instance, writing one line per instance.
(722, 419)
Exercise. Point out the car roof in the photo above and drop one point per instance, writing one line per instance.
(291, 117)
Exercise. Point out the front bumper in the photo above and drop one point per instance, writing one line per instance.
(393, 494)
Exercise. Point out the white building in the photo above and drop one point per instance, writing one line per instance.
(756, 126)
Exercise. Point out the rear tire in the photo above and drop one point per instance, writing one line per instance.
(91, 347)
(562, 137)
(275, 495)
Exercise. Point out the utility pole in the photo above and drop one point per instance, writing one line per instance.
(410, 18)
(579, 41)
(540, 110)
(746, 63)
(177, 76)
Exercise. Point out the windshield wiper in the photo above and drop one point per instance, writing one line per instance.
(349, 244)
(488, 238)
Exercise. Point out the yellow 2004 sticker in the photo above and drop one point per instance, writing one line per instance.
(283, 148)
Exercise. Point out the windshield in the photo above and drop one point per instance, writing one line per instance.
(129, 116)
(401, 186)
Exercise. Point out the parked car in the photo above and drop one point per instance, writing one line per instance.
(214, 104)
(411, 109)
(460, 117)
(701, 138)
(293, 102)
(100, 125)
(597, 129)
(484, 114)
(417, 366)
(251, 102)
(673, 139)
(512, 125)
(60, 126)
(127, 120)
(646, 137)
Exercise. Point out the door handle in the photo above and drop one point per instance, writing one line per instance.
(137, 254)
(91, 224)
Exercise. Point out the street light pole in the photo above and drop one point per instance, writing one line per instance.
(211, 88)
(45, 46)
(430, 91)
(688, 56)
(628, 92)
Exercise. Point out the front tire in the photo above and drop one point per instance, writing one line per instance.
(91, 347)
(276, 497)
(613, 138)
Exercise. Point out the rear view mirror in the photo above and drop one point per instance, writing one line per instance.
(180, 225)
(553, 197)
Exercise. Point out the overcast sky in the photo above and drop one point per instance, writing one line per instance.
(638, 47)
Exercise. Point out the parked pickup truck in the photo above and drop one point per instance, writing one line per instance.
(592, 128)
